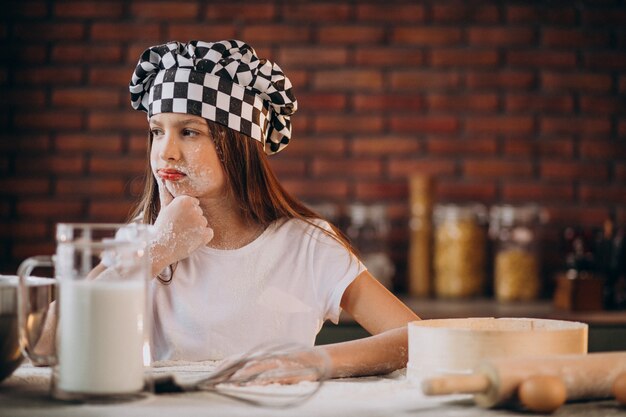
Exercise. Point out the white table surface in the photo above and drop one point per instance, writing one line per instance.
(26, 393)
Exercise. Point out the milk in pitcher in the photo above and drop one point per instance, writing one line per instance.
(101, 336)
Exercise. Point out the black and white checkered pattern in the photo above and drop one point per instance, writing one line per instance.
(221, 81)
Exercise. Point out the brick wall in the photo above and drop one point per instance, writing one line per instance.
(501, 101)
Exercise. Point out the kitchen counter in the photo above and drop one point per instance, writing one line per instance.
(26, 394)
(607, 329)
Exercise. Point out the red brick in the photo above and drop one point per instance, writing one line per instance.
(89, 186)
(301, 124)
(350, 34)
(532, 191)
(318, 145)
(423, 80)
(48, 120)
(28, 249)
(602, 105)
(375, 191)
(542, 59)
(604, 195)
(325, 167)
(23, 98)
(241, 12)
(187, 31)
(569, 215)
(316, 188)
(388, 56)
(24, 186)
(312, 56)
(111, 76)
(462, 103)
(465, 191)
(541, 14)
(49, 31)
(539, 103)
(387, 102)
(28, 9)
(49, 75)
(138, 143)
(573, 38)
(276, 33)
(288, 168)
(25, 143)
(124, 31)
(123, 120)
(312, 12)
(455, 146)
(392, 13)
(165, 10)
(385, 145)
(50, 208)
(23, 230)
(29, 54)
(321, 101)
(426, 165)
(604, 16)
(499, 124)
(579, 124)
(299, 78)
(421, 124)
(118, 164)
(576, 82)
(620, 172)
(82, 53)
(86, 142)
(53, 164)
(602, 149)
(458, 13)
(622, 84)
(605, 60)
(560, 147)
(348, 80)
(464, 58)
(572, 170)
(506, 79)
(428, 36)
(85, 98)
(347, 123)
(136, 187)
(110, 211)
(497, 36)
(89, 9)
(497, 168)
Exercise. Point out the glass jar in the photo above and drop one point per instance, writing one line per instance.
(460, 250)
(368, 231)
(514, 232)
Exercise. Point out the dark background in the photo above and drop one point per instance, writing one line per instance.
(500, 101)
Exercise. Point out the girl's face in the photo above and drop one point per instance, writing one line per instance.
(183, 155)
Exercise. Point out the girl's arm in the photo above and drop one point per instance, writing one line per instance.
(385, 317)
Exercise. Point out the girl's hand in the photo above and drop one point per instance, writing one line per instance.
(181, 228)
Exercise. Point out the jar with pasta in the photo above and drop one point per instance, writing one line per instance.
(459, 250)
(514, 231)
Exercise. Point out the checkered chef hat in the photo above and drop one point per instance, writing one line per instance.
(221, 81)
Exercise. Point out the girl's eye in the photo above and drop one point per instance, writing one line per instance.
(156, 132)
(188, 132)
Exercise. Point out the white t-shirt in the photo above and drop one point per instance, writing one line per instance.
(279, 288)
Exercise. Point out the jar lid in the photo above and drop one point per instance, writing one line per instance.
(468, 211)
(509, 215)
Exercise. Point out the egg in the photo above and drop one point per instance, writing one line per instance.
(619, 388)
(542, 393)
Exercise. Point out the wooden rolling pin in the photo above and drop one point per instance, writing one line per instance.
(495, 382)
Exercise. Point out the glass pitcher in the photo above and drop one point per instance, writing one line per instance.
(101, 346)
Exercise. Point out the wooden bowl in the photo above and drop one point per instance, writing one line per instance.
(458, 345)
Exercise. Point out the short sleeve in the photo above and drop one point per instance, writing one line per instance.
(335, 268)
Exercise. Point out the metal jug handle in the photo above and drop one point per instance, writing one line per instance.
(24, 308)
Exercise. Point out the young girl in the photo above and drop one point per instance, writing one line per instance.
(237, 261)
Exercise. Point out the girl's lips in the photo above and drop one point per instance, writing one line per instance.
(170, 174)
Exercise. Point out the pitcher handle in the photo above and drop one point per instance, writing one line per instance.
(23, 308)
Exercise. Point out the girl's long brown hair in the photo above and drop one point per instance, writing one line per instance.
(260, 196)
